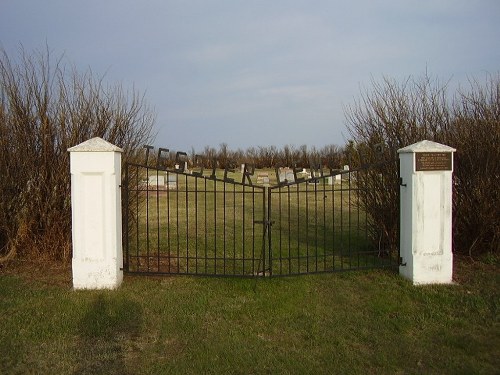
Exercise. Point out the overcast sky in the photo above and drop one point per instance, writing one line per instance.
(251, 72)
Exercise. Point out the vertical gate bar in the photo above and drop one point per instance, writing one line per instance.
(289, 215)
(341, 225)
(358, 249)
(298, 229)
(385, 250)
(147, 217)
(266, 220)
(307, 227)
(316, 225)
(196, 224)
(398, 225)
(366, 220)
(253, 233)
(280, 215)
(224, 228)
(168, 223)
(186, 189)
(324, 223)
(215, 226)
(377, 253)
(234, 229)
(137, 187)
(205, 227)
(349, 221)
(177, 224)
(126, 228)
(158, 221)
(377, 259)
(243, 230)
(333, 224)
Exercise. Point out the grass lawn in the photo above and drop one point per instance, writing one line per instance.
(367, 322)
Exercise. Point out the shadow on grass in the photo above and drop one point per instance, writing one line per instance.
(105, 333)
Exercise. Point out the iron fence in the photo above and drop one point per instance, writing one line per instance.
(193, 224)
(185, 222)
(321, 224)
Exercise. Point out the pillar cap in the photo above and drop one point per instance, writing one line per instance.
(95, 145)
(426, 146)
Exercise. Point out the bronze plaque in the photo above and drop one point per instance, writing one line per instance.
(433, 161)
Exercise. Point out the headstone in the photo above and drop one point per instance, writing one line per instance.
(334, 179)
(185, 169)
(286, 175)
(156, 182)
(263, 178)
(171, 181)
(346, 174)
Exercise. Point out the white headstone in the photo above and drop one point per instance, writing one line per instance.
(263, 178)
(333, 179)
(286, 174)
(156, 181)
(171, 181)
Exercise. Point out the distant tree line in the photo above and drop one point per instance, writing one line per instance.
(272, 156)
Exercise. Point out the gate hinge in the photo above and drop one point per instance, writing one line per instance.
(401, 262)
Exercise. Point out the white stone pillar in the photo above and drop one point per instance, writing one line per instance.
(96, 215)
(426, 213)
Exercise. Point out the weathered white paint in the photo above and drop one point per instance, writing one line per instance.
(426, 218)
(96, 215)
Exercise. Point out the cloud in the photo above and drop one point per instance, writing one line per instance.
(282, 68)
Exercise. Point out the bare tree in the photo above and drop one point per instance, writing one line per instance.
(476, 136)
(396, 114)
(46, 107)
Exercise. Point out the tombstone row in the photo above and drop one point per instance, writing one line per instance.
(284, 175)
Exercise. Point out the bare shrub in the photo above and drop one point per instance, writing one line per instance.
(476, 136)
(396, 114)
(46, 107)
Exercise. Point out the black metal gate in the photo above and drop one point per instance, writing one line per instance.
(225, 224)
(321, 224)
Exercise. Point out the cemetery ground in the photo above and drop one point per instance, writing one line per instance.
(351, 322)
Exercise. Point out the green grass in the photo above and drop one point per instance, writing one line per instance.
(355, 322)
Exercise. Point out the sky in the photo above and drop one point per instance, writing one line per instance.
(258, 73)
